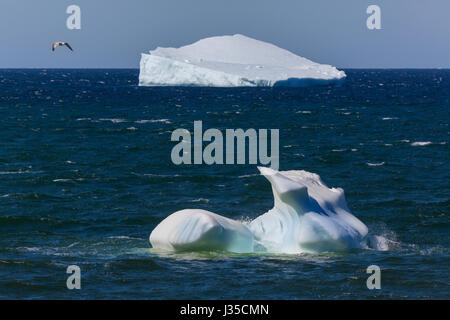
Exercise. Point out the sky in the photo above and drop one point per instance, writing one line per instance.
(113, 34)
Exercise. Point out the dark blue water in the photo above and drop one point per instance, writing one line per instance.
(86, 174)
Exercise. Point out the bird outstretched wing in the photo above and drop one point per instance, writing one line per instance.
(68, 46)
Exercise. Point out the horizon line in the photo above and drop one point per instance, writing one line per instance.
(129, 68)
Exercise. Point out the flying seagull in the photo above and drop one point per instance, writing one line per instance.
(61, 43)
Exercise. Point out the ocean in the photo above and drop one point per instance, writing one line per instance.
(86, 175)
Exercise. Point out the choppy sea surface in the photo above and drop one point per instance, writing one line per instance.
(86, 174)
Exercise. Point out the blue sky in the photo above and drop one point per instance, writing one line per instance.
(414, 34)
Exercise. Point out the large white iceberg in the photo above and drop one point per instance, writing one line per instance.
(307, 217)
(232, 61)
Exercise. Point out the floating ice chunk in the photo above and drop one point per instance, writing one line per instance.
(307, 216)
(232, 61)
(197, 230)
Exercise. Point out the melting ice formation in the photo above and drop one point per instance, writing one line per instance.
(232, 61)
(307, 217)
